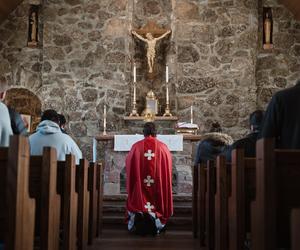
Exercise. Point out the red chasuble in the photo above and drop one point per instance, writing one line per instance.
(149, 178)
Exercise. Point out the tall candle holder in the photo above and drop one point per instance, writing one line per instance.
(134, 110)
(167, 109)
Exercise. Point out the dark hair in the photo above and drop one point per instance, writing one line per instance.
(62, 119)
(256, 119)
(215, 127)
(51, 115)
(149, 129)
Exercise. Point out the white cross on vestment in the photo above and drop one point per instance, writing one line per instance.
(149, 180)
(149, 207)
(149, 154)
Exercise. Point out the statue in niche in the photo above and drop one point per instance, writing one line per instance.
(267, 29)
(33, 27)
(267, 26)
(150, 31)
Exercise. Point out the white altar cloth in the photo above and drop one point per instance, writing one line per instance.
(125, 142)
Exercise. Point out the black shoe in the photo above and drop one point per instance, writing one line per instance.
(150, 224)
(139, 224)
(163, 230)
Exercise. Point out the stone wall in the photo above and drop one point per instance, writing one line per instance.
(280, 67)
(216, 45)
(215, 56)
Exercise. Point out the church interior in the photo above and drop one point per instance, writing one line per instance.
(204, 62)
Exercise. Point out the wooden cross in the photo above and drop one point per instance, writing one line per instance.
(151, 27)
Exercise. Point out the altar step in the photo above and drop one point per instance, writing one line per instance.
(114, 212)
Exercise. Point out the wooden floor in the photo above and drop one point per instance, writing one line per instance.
(112, 239)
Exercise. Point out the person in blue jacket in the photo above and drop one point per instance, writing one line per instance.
(49, 134)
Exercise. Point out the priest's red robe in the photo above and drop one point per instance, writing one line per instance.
(149, 178)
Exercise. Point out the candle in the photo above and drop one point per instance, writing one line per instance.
(134, 73)
(134, 93)
(104, 119)
(192, 114)
(167, 73)
(167, 93)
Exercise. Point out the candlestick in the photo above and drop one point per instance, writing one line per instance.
(104, 120)
(167, 93)
(134, 93)
(134, 73)
(192, 114)
(167, 109)
(134, 111)
(167, 73)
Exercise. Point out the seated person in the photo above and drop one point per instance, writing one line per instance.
(48, 134)
(17, 123)
(282, 120)
(249, 142)
(149, 184)
(213, 144)
(5, 125)
(62, 123)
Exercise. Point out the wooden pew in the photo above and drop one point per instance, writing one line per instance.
(205, 203)
(17, 208)
(42, 186)
(221, 203)
(99, 186)
(277, 189)
(66, 188)
(202, 189)
(295, 229)
(92, 172)
(195, 200)
(44, 183)
(83, 204)
(241, 195)
(210, 205)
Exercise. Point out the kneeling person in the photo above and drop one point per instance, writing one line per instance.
(149, 184)
(48, 134)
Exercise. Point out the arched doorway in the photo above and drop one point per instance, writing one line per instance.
(26, 103)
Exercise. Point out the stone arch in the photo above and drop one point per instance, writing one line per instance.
(25, 102)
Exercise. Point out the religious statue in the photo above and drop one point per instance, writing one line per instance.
(267, 43)
(267, 28)
(151, 41)
(33, 29)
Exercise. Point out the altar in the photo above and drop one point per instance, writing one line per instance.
(114, 161)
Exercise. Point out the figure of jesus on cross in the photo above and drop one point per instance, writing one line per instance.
(149, 31)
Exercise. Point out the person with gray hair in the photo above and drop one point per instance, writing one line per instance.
(5, 125)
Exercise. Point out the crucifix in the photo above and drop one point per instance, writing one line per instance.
(151, 34)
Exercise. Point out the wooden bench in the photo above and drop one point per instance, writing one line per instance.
(204, 187)
(242, 192)
(220, 215)
(221, 203)
(277, 189)
(17, 208)
(295, 229)
(43, 188)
